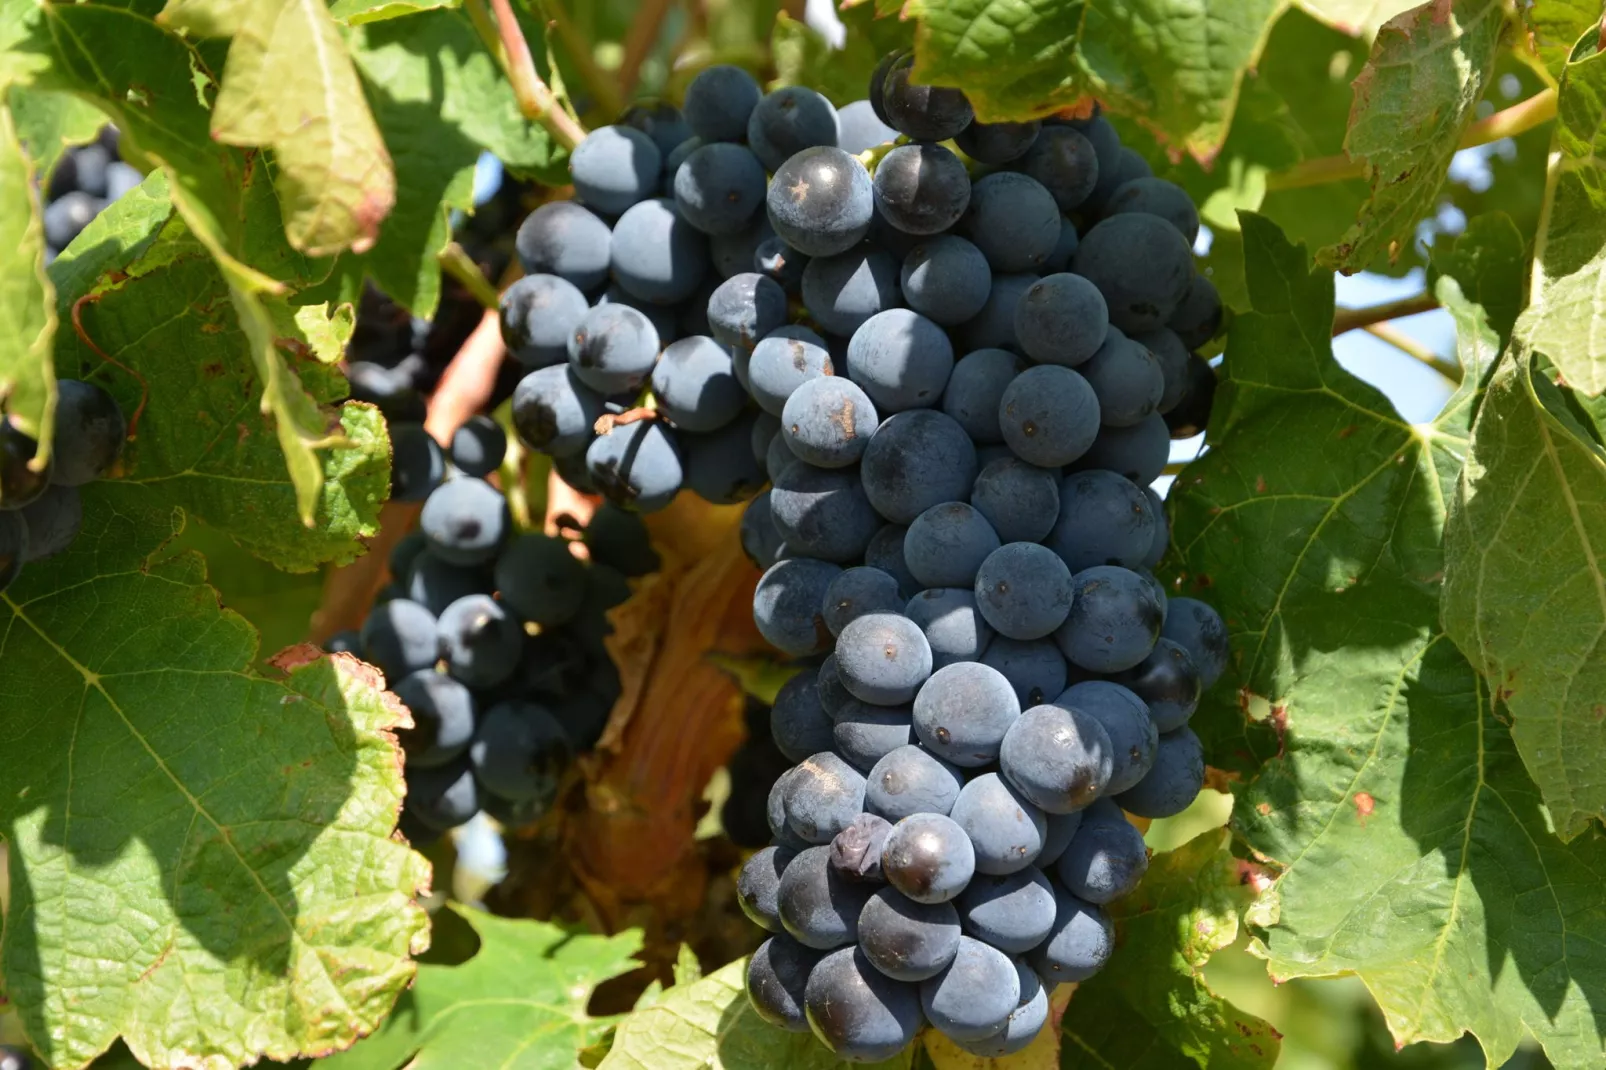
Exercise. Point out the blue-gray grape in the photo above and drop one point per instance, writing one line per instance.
(696, 386)
(917, 459)
(656, 255)
(1198, 318)
(822, 512)
(443, 718)
(901, 359)
(786, 605)
(1168, 682)
(1025, 1022)
(1061, 319)
(820, 201)
(1013, 220)
(1199, 630)
(565, 239)
(844, 290)
(1141, 264)
(828, 421)
(479, 642)
(823, 795)
(746, 307)
(761, 542)
(946, 279)
(554, 411)
(1106, 858)
(435, 583)
(538, 315)
(1077, 946)
(789, 121)
(541, 580)
(1011, 911)
(817, 906)
(1033, 668)
(1114, 620)
(911, 780)
(613, 348)
(994, 326)
(1104, 519)
(921, 188)
(615, 167)
(1049, 415)
(864, 732)
(857, 592)
(465, 521)
(885, 552)
(1127, 379)
(1174, 781)
(718, 187)
(973, 998)
(928, 858)
(906, 940)
(636, 464)
(858, 1012)
(719, 102)
(1125, 718)
(975, 388)
(479, 446)
(520, 752)
(1020, 500)
(777, 978)
(997, 143)
(946, 545)
(1024, 590)
(883, 658)
(758, 886)
(1066, 164)
(924, 112)
(952, 624)
(860, 128)
(964, 712)
(718, 466)
(784, 360)
(1006, 830)
(1057, 756)
(1156, 197)
(417, 466)
(89, 433)
(399, 636)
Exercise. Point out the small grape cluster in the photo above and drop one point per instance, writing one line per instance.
(40, 508)
(495, 641)
(85, 180)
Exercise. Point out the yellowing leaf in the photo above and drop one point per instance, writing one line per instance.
(27, 300)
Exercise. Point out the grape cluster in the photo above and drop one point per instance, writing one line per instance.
(494, 640)
(40, 508)
(86, 179)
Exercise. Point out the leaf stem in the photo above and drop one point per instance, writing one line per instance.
(459, 265)
(1397, 338)
(644, 30)
(1509, 122)
(608, 96)
(1349, 319)
(506, 42)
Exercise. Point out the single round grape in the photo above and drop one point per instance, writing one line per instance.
(746, 307)
(885, 552)
(973, 998)
(878, 82)
(906, 940)
(1035, 669)
(758, 886)
(53, 521)
(761, 542)
(1114, 620)
(1141, 264)
(833, 696)
(1106, 858)
(1161, 542)
(1172, 784)
(1057, 756)
(994, 326)
(717, 465)
(917, 459)
(818, 907)
(1013, 220)
(788, 121)
(777, 260)
(997, 143)
(777, 978)
(784, 360)
(20, 483)
(89, 433)
(1192, 414)
(828, 422)
(858, 1012)
(901, 359)
(1011, 911)
(565, 239)
(856, 850)
(538, 315)
(1104, 519)
(820, 202)
(861, 128)
(823, 795)
(1077, 946)
(1019, 500)
(479, 446)
(1066, 164)
(1198, 318)
(822, 512)
(883, 658)
(857, 592)
(963, 713)
(636, 464)
(443, 718)
(1064, 249)
(1126, 378)
(928, 858)
(1157, 197)
(775, 814)
(977, 386)
(844, 290)
(541, 580)
(946, 545)
(952, 624)
(479, 641)
(786, 605)
(695, 385)
(1049, 415)
(662, 317)
(921, 189)
(619, 539)
(554, 411)
(1061, 319)
(946, 279)
(615, 167)
(435, 583)
(659, 120)
(911, 780)
(1005, 829)
(1199, 630)
(1107, 145)
(1061, 827)
(399, 636)
(799, 725)
(1172, 357)
(1023, 590)
(520, 752)
(443, 798)
(1125, 719)
(719, 102)
(1025, 1022)
(466, 521)
(1168, 682)
(924, 112)
(656, 255)
(719, 187)
(864, 732)
(613, 348)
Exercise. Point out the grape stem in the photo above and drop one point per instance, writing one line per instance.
(1350, 319)
(609, 97)
(1397, 338)
(505, 41)
(456, 262)
(645, 29)
(1537, 109)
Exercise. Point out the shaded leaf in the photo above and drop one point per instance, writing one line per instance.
(290, 85)
(201, 858)
(27, 302)
(1152, 995)
(1566, 319)
(710, 1025)
(518, 1003)
(1419, 91)
(1489, 262)
(49, 123)
(279, 605)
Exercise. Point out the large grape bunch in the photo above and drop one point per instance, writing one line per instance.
(494, 640)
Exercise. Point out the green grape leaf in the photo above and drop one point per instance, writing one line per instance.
(1175, 67)
(1525, 587)
(287, 62)
(1402, 839)
(1556, 26)
(206, 18)
(49, 123)
(519, 1003)
(201, 857)
(155, 302)
(279, 605)
(710, 1025)
(1489, 261)
(1150, 1006)
(1420, 89)
(357, 12)
(27, 303)
(803, 57)
(1564, 320)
